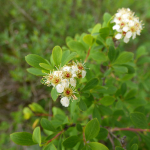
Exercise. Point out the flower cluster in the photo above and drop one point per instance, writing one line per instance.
(64, 80)
(126, 24)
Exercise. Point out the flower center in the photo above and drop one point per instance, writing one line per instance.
(68, 92)
(80, 66)
(124, 33)
(56, 80)
(67, 74)
(119, 18)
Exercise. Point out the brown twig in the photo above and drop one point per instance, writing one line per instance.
(111, 140)
(87, 55)
(84, 138)
(66, 127)
(44, 115)
(55, 137)
(129, 129)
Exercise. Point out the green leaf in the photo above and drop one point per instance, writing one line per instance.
(54, 94)
(139, 120)
(37, 135)
(79, 127)
(82, 105)
(91, 84)
(103, 133)
(66, 57)
(141, 51)
(107, 100)
(76, 46)
(46, 124)
(105, 110)
(111, 53)
(46, 66)
(124, 58)
(92, 129)
(37, 108)
(104, 32)
(120, 69)
(134, 147)
(97, 146)
(123, 88)
(119, 148)
(88, 39)
(96, 114)
(35, 71)
(96, 28)
(22, 138)
(50, 146)
(57, 55)
(106, 17)
(34, 60)
(70, 142)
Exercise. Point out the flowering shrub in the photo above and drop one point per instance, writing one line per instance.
(104, 106)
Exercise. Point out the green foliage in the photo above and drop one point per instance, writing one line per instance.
(57, 55)
(22, 138)
(92, 129)
(139, 120)
(113, 98)
(37, 135)
(70, 142)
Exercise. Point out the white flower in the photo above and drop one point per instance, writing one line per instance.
(66, 68)
(118, 36)
(65, 101)
(125, 29)
(126, 40)
(58, 73)
(127, 25)
(74, 68)
(83, 73)
(73, 82)
(65, 83)
(60, 88)
(116, 27)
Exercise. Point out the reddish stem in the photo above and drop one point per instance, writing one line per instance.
(87, 54)
(84, 138)
(130, 129)
(44, 115)
(55, 137)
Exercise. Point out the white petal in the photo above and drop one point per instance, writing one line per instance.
(118, 36)
(65, 101)
(126, 40)
(118, 14)
(134, 35)
(131, 23)
(116, 21)
(83, 73)
(59, 88)
(65, 83)
(129, 34)
(128, 9)
(58, 73)
(125, 29)
(138, 32)
(66, 68)
(116, 27)
(73, 82)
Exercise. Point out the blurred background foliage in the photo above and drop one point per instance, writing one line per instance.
(36, 27)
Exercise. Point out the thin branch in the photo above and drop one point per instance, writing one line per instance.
(129, 129)
(111, 140)
(44, 115)
(55, 137)
(87, 55)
